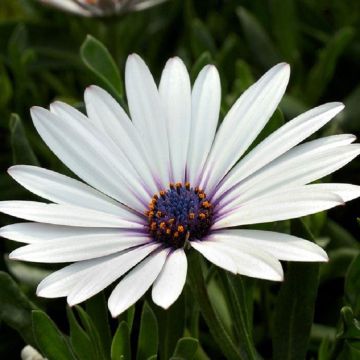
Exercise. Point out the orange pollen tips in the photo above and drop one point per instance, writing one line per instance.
(178, 214)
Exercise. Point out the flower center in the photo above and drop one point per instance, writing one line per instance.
(179, 214)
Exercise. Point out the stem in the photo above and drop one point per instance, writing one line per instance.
(212, 319)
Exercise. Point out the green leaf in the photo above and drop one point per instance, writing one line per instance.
(352, 286)
(26, 273)
(216, 327)
(93, 333)
(171, 324)
(323, 71)
(338, 264)
(50, 340)
(324, 349)
(202, 40)
(242, 318)
(260, 44)
(340, 237)
(294, 309)
(244, 76)
(128, 316)
(148, 335)
(347, 344)
(218, 298)
(100, 62)
(204, 59)
(121, 347)
(292, 106)
(350, 327)
(351, 112)
(21, 148)
(276, 121)
(98, 312)
(320, 332)
(284, 26)
(80, 341)
(185, 348)
(6, 87)
(15, 308)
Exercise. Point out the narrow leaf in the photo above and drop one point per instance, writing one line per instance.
(98, 312)
(204, 59)
(120, 347)
(284, 25)
(100, 62)
(50, 340)
(148, 335)
(93, 333)
(242, 318)
(216, 327)
(185, 348)
(15, 308)
(201, 40)
(294, 309)
(6, 87)
(80, 341)
(324, 69)
(258, 40)
(21, 148)
(352, 285)
(339, 262)
(171, 323)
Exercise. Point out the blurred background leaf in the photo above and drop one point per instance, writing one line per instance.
(47, 55)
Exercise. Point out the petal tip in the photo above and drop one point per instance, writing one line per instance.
(160, 303)
(72, 302)
(113, 311)
(40, 292)
(35, 110)
(14, 255)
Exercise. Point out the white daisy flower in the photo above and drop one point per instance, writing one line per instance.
(101, 7)
(167, 181)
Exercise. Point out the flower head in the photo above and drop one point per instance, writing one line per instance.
(100, 7)
(167, 180)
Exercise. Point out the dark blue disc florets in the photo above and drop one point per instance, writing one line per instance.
(179, 214)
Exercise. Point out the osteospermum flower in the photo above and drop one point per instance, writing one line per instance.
(168, 181)
(101, 7)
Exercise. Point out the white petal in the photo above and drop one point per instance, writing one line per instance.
(108, 116)
(205, 108)
(169, 284)
(280, 141)
(147, 114)
(64, 215)
(175, 93)
(347, 192)
(281, 246)
(68, 5)
(77, 144)
(31, 233)
(135, 284)
(61, 282)
(110, 152)
(103, 275)
(212, 253)
(65, 190)
(145, 4)
(81, 247)
(301, 165)
(281, 205)
(250, 261)
(243, 123)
